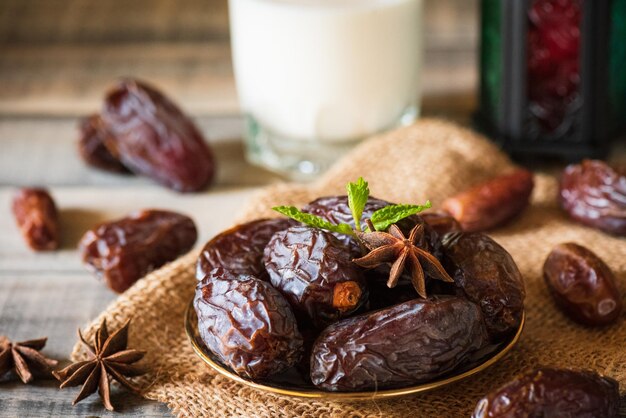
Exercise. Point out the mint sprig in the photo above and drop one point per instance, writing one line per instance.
(385, 217)
(312, 220)
(358, 193)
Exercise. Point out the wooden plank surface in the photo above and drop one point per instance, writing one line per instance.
(52, 294)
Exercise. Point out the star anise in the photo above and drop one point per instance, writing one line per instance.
(393, 247)
(24, 358)
(111, 359)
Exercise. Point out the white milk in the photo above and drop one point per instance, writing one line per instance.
(327, 70)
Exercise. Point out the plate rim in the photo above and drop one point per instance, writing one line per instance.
(347, 396)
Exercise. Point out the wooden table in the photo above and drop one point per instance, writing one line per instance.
(56, 59)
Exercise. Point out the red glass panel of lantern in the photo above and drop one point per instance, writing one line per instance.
(553, 61)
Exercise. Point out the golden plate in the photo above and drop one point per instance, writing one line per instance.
(286, 386)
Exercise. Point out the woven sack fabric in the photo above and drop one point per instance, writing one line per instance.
(431, 159)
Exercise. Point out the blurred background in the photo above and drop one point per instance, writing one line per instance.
(58, 56)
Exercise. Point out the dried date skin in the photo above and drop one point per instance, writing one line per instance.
(582, 285)
(553, 393)
(240, 249)
(37, 217)
(492, 203)
(151, 136)
(247, 323)
(486, 274)
(122, 251)
(441, 222)
(92, 149)
(594, 194)
(409, 343)
(314, 271)
(335, 209)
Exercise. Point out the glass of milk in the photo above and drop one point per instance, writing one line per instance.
(316, 76)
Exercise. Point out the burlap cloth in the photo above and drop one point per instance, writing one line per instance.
(429, 160)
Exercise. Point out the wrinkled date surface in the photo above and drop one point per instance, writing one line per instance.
(122, 251)
(314, 271)
(493, 203)
(240, 249)
(247, 323)
(335, 209)
(582, 285)
(553, 393)
(408, 343)
(92, 149)
(487, 275)
(36, 216)
(441, 222)
(151, 136)
(595, 194)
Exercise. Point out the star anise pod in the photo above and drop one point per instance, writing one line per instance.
(24, 358)
(111, 359)
(393, 247)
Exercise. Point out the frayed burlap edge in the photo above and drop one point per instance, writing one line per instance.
(429, 160)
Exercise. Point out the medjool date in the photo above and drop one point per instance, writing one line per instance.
(92, 149)
(240, 249)
(122, 251)
(582, 285)
(553, 393)
(412, 342)
(36, 216)
(492, 203)
(151, 136)
(487, 275)
(441, 222)
(247, 323)
(594, 194)
(335, 209)
(313, 270)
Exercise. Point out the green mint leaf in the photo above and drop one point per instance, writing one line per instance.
(383, 218)
(312, 220)
(358, 194)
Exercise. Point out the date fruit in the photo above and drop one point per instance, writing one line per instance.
(441, 222)
(314, 271)
(122, 251)
(151, 136)
(553, 393)
(240, 249)
(409, 343)
(582, 285)
(37, 218)
(492, 203)
(92, 149)
(594, 194)
(486, 274)
(247, 323)
(335, 209)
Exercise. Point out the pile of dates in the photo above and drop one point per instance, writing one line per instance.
(140, 130)
(276, 296)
